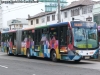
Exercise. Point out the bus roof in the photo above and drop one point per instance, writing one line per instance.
(51, 25)
(28, 28)
(8, 31)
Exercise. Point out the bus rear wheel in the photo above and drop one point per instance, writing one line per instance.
(8, 53)
(28, 54)
(53, 56)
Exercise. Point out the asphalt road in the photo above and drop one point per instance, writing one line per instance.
(13, 65)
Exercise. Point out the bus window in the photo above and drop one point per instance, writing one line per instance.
(69, 34)
(3, 37)
(31, 35)
(11, 38)
(14, 34)
(37, 37)
(53, 34)
(24, 36)
(63, 35)
(44, 37)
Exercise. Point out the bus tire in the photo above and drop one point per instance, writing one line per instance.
(8, 53)
(77, 61)
(53, 56)
(28, 54)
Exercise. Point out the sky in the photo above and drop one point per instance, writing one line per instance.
(69, 1)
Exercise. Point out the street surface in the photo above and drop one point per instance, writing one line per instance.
(19, 65)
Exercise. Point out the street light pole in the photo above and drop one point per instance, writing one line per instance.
(59, 14)
(45, 15)
(0, 2)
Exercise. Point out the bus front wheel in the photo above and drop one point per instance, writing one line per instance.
(77, 61)
(53, 56)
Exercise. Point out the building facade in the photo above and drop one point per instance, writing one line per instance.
(18, 23)
(79, 10)
(18, 10)
(51, 5)
(96, 13)
(0, 17)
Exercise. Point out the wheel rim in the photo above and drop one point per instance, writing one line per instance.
(8, 52)
(54, 56)
(28, 55)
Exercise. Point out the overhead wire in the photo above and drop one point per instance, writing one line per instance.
(10, 10)
(14, 7)
(19, 6)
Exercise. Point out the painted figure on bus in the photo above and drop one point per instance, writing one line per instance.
(44, 40)
(10, 43)
(53, 42)
(28, 42)
(31, 43)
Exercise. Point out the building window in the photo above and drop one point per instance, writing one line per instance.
(16, 25)
(10, 27)
(90, 8)
(75, 12)
(53, 17)
(48, 18)
(21, 25)
(65, 14)
(72, 13)
(31, 22)
(37, 21)
(43, 20)
(96, 18)
(84, 10)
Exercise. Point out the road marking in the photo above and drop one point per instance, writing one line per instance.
(34, 74)
(3, 66)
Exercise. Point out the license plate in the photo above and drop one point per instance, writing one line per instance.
(87, 57)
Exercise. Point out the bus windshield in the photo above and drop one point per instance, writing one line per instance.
(85, 38)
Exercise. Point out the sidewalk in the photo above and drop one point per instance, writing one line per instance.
(2, 53)
(95, 59)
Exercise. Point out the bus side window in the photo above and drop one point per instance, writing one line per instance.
(63, 35)
(70, 35)
(44, 36)
(3, 37)
(14, 38)
(53, 32)
(31, 35)
(37, 37)
(22, 35)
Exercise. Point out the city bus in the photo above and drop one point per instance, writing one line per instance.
(0, 38)
(69, 41)
(99, 38)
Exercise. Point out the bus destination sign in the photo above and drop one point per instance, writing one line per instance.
(78, 24)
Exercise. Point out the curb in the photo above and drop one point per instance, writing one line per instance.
(95, 59)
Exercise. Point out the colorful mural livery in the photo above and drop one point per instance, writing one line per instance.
(73, 40)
